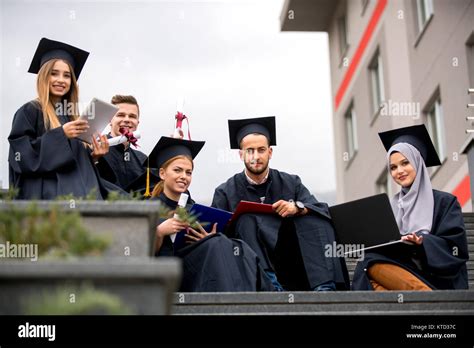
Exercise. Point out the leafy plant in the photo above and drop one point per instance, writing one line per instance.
(57, 233)
(117, 196)
(192, 219)
(9, 194)
(111, 197)
(87, 300)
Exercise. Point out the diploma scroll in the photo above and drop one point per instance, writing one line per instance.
(122, 139)
(183, 199)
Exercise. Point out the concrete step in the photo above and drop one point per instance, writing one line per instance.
(452, 302)
(468, 216)
(469, 226)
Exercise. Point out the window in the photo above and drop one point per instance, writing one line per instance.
(351, 131)
(364, 4)
(376, 82)
(425, 11)
(470, 59)
(435, 125)
(342, 29)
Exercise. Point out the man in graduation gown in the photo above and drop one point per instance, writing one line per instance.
(291, 243)
(123, 164)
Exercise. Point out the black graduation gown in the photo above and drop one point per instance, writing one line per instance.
(121, 165)
(45, 164)
(440, 261)
(292, 247)
(216, 263)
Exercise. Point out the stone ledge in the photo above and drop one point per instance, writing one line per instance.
(144, 285)
(322, 297)
(91, 268)
(130, 208)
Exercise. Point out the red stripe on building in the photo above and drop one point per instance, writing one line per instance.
(463, 191)
(379, 8)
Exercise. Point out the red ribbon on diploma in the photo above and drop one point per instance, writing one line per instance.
(129, 135)
(180, 117)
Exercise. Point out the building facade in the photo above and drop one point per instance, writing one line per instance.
(395, 63)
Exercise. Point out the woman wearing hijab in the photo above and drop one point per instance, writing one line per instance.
(211, 261)
(434, 251)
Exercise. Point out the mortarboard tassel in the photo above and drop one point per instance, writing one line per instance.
(147, 192)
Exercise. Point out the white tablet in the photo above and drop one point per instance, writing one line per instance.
(98, 113)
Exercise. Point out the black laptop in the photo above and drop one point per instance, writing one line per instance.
(366, 223)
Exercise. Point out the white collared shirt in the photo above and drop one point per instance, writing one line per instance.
(253, 182)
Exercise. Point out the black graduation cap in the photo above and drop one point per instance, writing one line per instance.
(141, 183)
(168, 147)
(50, 49)
(238, 129)
(417, 136)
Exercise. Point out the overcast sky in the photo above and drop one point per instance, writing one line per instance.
(227, 58)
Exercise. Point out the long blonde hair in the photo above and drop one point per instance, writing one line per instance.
(158, 189)
(72, 96)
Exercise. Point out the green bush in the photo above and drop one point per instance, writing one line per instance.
(56, 232)
(112, 196)
(87, 300)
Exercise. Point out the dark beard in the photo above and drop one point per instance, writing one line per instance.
(255, 172)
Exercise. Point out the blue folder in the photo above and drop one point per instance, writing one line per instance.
(207, 216)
